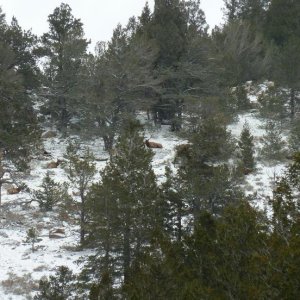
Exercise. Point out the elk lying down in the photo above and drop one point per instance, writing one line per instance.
(153, 144)
(13, 190)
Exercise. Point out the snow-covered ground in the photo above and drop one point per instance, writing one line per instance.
(17, 260)
(260, 183)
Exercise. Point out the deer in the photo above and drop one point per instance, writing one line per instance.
(152, 144)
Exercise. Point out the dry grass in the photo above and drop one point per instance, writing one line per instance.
(17, 285)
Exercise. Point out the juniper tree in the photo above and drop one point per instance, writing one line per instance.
(282, 29)
(208, 183)
(123, 205)
(116, 82)
(246, 147)
(50, 193)
(273, 144)
(32, 237)
(18, 123)
(294, 137)
(80, 173)
(173, 205)
(60, 286)
(272, 104)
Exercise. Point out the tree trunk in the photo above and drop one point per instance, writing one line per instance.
(0, 193)
(292, 102)
(82, 220)
(108, 142)
(63, 117)
(126, 253)
(179, 222)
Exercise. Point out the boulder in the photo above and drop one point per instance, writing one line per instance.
(57, 233)
(49, 134)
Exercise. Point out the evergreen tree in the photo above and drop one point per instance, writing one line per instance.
(80, 173)
(144, 21)
(272, 104)
(273, 144)
(60, 286)
(240, 98)
(116, 82)
(104, 290)
(282, 28)
(231, 9)
(246, 146)
(32, 237)
(65, 47)
(174, 208)
(123, 206)
(50, 193)
(196, 21)
(224, 257)
(24, 45)
(253, 11)
(294, 138)
(244, 52)
(208, 183)
(284, 240)
(168, 29)
(18, 124)
(210, 139)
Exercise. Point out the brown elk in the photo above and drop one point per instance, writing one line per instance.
(13, 190)
(153, 144)
(54, 164)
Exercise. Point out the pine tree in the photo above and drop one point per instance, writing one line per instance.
(123, 205)
(18, 123)
(196, 20)
(65, 46)
(246, 146)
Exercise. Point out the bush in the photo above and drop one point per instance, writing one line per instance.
(50, 194)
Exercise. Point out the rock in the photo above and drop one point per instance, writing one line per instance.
(49, 134)
(54, 164)
(57, 233)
